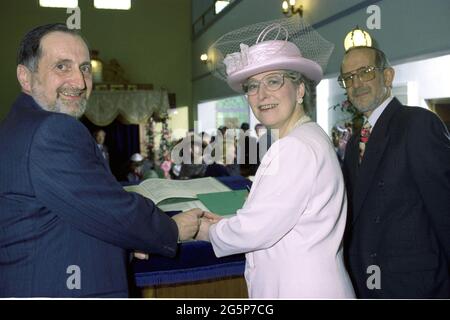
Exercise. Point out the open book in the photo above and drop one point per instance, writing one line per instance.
(205, 193)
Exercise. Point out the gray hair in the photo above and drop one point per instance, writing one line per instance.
(30, 50)
(297, 78)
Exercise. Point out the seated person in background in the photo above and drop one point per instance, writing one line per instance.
(247, 151)
(148, 169)
(136, 172)
(206, 138)
(220, 131)
(224, 164)
(195, 168)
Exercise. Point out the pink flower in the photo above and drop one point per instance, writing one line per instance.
(346, 104)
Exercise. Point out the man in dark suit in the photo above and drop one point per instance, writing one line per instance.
(99, 136)
(65, 223)
(397, 172)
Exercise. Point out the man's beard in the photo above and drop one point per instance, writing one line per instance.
(67, 107)
(72, 108)
(375, 103)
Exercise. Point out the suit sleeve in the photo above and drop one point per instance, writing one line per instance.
(429, 147)
(274, 206)
(70, 178)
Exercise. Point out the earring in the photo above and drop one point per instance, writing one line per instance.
(300, 101)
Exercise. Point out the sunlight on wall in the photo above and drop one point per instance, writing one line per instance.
(178, 122)
(323, 93)
(231, 112)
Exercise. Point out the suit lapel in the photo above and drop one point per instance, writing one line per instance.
(379, 139)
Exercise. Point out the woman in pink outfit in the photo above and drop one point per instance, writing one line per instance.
(292, 223)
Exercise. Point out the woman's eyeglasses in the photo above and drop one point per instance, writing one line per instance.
(364, 74)
(271, 82)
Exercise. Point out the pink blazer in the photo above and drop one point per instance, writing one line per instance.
(292, 224)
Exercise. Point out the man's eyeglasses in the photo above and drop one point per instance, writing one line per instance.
(272, 82)
(364, 74)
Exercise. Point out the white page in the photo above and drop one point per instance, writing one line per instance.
(183, 206)
(161, 189)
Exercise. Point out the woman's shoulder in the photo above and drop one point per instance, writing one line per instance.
(308, 133)
(309, 136)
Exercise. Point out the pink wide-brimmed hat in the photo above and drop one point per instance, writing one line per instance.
(293, 45)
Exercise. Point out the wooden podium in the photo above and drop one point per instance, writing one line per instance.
(231, 287)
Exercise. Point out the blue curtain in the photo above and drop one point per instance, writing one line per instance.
(122, 141)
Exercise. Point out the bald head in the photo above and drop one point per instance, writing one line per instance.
(368, 78)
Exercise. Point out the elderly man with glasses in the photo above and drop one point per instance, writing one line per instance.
(397, 172)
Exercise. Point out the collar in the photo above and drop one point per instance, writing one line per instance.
(302, 120)
(378, 111)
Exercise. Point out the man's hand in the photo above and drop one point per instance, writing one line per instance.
(188, 223)
(207, 220)
(212, 217)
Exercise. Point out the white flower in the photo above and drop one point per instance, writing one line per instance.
(237, 60)
(244, 54)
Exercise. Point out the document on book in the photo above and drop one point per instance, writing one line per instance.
(224, 203)
(161, 189)
(183, 206)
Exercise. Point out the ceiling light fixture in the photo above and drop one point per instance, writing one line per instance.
(58, 3)
(113, 4)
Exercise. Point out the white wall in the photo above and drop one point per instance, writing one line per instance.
(207, 118)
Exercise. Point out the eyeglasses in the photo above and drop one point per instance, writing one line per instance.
(364, 74)
(272, 82)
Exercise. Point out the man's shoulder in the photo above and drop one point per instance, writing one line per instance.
(21, 122)
(57, 119)
(416, 122)
(410, 111)
(61, 128)
(26, 116)
(26, 119)
(415, 115)
(22, 109)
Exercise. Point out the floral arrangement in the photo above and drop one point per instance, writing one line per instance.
(164, 145)
(356, 117)
(150, 131)
(162, 157)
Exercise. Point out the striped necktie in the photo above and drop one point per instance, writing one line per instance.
(365, 133)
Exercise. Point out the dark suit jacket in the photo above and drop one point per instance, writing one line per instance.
(61, 207)
(399, 199)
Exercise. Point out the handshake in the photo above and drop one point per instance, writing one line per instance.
(192, 224)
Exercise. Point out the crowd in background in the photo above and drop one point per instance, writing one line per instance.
(230, 152)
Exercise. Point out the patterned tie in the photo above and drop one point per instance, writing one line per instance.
(365, 133)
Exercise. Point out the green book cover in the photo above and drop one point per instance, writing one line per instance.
(224, 203)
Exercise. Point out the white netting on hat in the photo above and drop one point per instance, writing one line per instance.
(233, 46)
